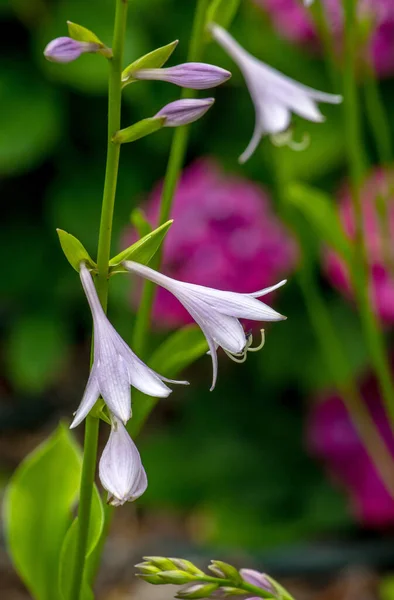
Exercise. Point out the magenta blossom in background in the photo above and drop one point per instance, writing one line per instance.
(379, 184)
(333, 439)
(225, 235)
(294, 21)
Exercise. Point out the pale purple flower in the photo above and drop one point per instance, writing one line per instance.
(377, 188)
(275, 96)
(295, 23)
(193, 75)
(115, 367)
(216, 312)
(224, 225)
(257, 579)
(183, 112)
(120, 470)
(65, 49)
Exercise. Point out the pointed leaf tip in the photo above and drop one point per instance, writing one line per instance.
(153, 60)
(74, 250)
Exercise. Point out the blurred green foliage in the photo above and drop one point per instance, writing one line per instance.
(235, 459)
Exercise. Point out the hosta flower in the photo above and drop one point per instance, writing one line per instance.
(115, 367)
(65, 49)
(275, 96)
(333, 439)
(377, 189)
(216, 312)
(183, 112)
(196, 76)
(120, 470)
(224, 225)
(295, 22)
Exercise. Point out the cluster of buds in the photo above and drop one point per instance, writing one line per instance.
(223, 579)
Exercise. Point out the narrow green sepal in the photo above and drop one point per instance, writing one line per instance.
(82, 34)
(222, 12)
(160, 562)
(138, 130)
(153, 60)
(74, 251)
(186, 565)
(140, 222)
(142, 251)
(281, 591)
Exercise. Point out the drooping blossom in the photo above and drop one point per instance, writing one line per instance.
(333, 439)
(115, 367)
(65, 49)
(183, 112)
(216, 312)
(275, 96)
(378, 188)
(120, 469)
(196, 76)
(225, 235)
(295, 22)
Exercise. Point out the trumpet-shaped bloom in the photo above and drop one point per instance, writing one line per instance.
(193, 75)
(183, 112)
(275, 96)
(115, 367)
(120, 470)
(65, 49)
(216, 312)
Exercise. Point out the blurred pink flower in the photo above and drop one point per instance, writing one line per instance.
(333, 439)
(225, 235)
(295, 22)
(379, 184)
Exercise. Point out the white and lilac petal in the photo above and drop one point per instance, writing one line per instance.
(257, 579)
(267, 290)
(89, 399)
(120, 470)
(113, 379)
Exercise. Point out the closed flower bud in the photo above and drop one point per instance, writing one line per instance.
(229, 572)
(154, 579)
(162, 563)
(193, 75)
(198, 590)
(183, 112)
(147, 569)
(65, 49)
(177, 577)
(186, 565)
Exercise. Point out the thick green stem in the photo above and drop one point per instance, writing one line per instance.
(174, 166)
(103, 255)
(359, 267)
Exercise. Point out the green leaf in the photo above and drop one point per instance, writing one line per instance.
(319, 210)
(82, 34)
(38, 504)
(142, 251)
(139, 130)
(179, 350)
(74, 251)
(222, 12)
(138, 219)
(67, 557)
(154, 60)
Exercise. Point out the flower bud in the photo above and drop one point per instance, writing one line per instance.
(183, 112)
(177, 577)
(186, 565)
(154, 579)
(162, 563)
(147, 569)
(198, 591)
(193, 75)
(65, 49)
(258, 579)
(120, 469)
(228, 571)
